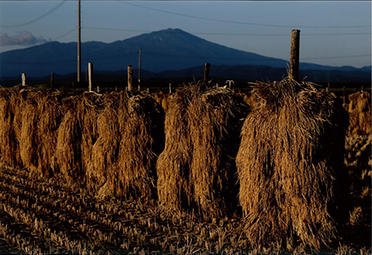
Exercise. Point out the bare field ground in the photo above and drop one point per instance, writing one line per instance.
(39, 216)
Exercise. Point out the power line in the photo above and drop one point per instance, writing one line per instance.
(235, 22)
(59, 37)
(36, 19)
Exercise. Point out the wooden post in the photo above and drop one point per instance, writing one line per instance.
(206, 73)
(231, 84)
(295, 55)
(23, 79)
(51, 81)
(130, 78)
(90, 75)
(139, 70)
(170, 88)
(79, 45)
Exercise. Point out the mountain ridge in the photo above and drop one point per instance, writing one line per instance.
(162, 51)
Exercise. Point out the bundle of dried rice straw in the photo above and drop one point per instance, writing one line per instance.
(196, 170)
(10, 125)
(130, 136)
(289, 142)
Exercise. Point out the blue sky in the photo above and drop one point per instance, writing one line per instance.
(334, 33)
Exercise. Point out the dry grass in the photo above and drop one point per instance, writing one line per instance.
(67, 154)
(89, 107)
(129, 139)
(28, 141)
(142, 140)
(165, 100)
(30, 125)
(358, 160)
(287, 161)
(166, 103)
(50, 115)
(356, 216)
(76, 135)
(250, 98)
(16, 101)
(174, 162)
(360, 113)
(41, 215)
(286, 182)
(10, 125)
(110, 143)
(105, 150)
(196, 170)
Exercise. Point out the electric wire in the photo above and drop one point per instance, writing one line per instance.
(236, 22)
(36, 19)
(59, 37)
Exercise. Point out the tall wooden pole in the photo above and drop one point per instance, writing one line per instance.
(79, 45)
(294, 61)
(139, 70)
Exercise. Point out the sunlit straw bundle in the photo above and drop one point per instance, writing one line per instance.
(196, 170)
(130, 136)
(10, 100)
(173, 165)
(284, 165)
(17, 100)
(89, 107)
(360, 113)
(76, 135)
(141, 128)
(49, 112)
(29, 142)
(103, 166)
(163, 99)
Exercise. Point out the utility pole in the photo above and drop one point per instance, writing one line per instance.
(79, 45)
(139, 70)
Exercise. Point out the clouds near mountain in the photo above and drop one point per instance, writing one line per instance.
(24, 38)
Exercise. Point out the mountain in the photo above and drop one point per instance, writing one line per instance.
(171, 50)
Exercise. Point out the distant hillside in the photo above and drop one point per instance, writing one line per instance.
(171, 49)
(165, 52)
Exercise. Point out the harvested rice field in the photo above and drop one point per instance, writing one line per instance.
(41, 216)
(202, 171)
